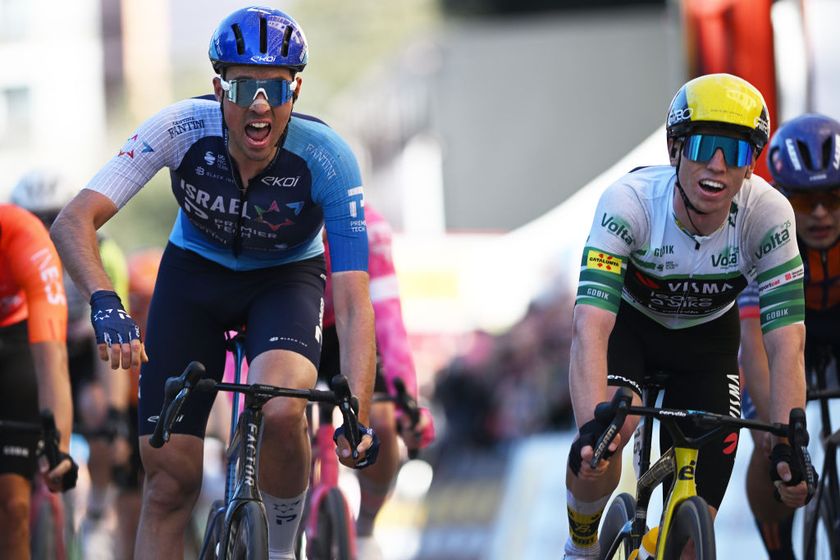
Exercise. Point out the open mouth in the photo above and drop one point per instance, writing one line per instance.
(711, 187)
(258, 131)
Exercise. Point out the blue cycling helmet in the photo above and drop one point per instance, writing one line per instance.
(804, 154)
(258, 36)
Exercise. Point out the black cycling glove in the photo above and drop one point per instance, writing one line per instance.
(783, 453)
(589, 434)
(68, 481)
(373, 451)
(111, 323)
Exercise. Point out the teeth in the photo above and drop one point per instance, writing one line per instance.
(712, 185)
(258, 125)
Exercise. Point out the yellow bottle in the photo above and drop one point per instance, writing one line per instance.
(648, 548)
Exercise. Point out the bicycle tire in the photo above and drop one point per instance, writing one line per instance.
(820, 520)
(247, 533)
(212, 531)
(621, 510)
(43, 544)
(692, 521)
(334, 530)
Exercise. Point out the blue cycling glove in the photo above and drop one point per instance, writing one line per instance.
(373, 450)
(111, 323)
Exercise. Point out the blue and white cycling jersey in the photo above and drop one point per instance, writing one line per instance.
(313, 181)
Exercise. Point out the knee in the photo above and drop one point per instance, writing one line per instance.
(14, 517)
(284, 417)
(172, 486)
(384, 423)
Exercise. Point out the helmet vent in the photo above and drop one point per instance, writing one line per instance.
(827, 152)
(287, 36)
(263, 35)
(805, 154)
(240, 40)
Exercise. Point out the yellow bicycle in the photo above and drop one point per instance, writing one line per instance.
(686, 520)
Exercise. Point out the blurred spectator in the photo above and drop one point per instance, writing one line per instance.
(512, 384)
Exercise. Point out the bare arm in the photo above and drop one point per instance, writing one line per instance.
(354, 325)
(588, 367)
(50, 359)
(74, 235)
(785, 353)
(754, 363)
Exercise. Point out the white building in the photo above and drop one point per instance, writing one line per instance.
(52, 110)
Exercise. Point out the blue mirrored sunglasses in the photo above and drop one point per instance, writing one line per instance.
(243, 92)
(702, 147)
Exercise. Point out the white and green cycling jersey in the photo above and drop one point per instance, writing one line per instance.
(637, 251)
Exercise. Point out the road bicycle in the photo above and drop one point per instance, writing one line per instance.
(51, 528)
(685, 517)
(329, 530)
(237, 526)
(821, 525)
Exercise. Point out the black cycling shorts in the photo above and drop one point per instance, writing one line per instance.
(703, 365)
(330, 361)
(196, 301)
(18, 401)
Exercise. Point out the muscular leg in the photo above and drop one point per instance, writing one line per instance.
(285, 450)
(170, 489)
(774, 519)
(376, 481)
(15, 494)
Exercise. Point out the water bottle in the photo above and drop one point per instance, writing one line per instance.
(648, 548)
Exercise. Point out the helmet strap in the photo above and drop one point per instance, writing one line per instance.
(689, 207)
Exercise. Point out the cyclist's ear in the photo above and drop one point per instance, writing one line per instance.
(217, 89)
(674, 150)
(298, 81)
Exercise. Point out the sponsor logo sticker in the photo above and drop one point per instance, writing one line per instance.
(603, 261)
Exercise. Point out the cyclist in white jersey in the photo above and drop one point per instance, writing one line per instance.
(669, 249)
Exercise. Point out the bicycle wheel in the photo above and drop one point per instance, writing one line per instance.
(334, 530)
(47, 526)
(821, 532)
(247, 536)
(621, 510)
(692, 523)
(212, 530)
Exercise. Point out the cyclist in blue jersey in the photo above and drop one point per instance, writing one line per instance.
(255, 183)
(669, 249)
(804, 160)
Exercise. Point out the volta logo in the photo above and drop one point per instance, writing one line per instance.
(774, 239)
(617, 228)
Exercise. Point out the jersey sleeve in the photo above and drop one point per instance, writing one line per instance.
(618, 226)
(36, 268)
(116, 267)
(337, 188)
(392, 342)
(771, 242)
(748, 307)
(157, 143)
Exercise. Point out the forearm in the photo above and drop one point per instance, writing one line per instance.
(74, 235)
(588, 364)
(358, 353)
(50, 359)
(753, 359)
(785, 352)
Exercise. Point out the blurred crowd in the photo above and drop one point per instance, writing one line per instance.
(510, 384)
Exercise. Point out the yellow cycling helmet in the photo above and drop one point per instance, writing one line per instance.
(722, 100)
